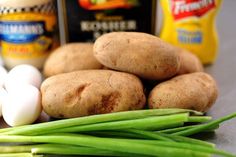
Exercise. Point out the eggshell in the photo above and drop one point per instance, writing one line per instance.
(22, 105)
(3, 75)
(1, 61)
(3, 95)
(23, 74)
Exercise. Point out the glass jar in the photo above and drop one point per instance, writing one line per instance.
(27, 29)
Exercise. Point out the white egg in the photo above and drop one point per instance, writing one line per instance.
(22, 105)
(3, 95)
(1, 61)
(23, 74)
(3, 75)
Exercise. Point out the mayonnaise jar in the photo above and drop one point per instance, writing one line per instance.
(27, 29)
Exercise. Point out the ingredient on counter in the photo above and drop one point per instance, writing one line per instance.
(135, 139)
(141, 54)
(89, 92)
(96, 119)
(23, 74)
(1, 61)
(71, 57)
(27, 31)
(20, 98)
(196, 91)
(22, 105)
(93, 18)
(3, 95)
(189, 63)
(3, 75)
(190, 24)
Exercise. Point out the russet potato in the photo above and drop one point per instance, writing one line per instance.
(71, 57)
(89, 92)
(189, 63)
(144, 55)
(197, 91)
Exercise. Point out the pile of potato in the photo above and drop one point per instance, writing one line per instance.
(124, 71)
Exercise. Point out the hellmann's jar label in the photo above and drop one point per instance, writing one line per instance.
(190, 24)
(27, 33)
(21, 32)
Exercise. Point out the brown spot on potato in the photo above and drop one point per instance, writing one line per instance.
(107, 105)
(109, 102)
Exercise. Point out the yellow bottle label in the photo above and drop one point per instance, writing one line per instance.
(190, 24)
(27, 33)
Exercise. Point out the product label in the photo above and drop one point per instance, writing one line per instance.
(187, 8)
(27, 33)
(24, 39)
(89, 19)
(189, 37)
(21, 32)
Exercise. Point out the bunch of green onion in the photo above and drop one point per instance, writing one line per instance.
(144, 133)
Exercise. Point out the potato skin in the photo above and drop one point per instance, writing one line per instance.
(197, 91)
(189, 63)
(89, 92)
(142, 54)
(71, 57)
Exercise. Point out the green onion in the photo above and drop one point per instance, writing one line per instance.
(150, 135)
(188, 140)
(58, 149)
(150, 123)
(199, 119)
(77, 150)
(142, 133)
(46, 127)
(115, 134)
(202, 127)
(16, 149)
(174, 130)
(139, 134)
(20, 155)
(142, 147)
(167, 137)
(120, 145)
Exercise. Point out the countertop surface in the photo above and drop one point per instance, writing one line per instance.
(224, 71)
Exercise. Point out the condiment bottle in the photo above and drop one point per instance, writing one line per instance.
(190, 24)
(27, 29)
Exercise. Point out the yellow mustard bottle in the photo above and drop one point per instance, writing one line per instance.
(27, 31)
(190, 24)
